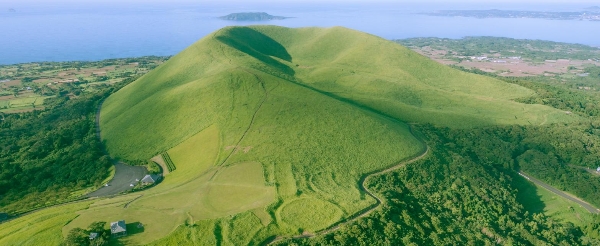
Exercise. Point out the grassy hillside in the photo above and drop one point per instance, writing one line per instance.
(278, 121)
(272, 129)
(215, 80)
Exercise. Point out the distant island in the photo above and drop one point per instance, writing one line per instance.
(251, 16)
(591, 14)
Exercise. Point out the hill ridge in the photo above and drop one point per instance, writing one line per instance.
(308, 112)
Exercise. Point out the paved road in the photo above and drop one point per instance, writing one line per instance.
(125, 175)
(585, 205)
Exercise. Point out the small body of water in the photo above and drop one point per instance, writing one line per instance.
(45, 32)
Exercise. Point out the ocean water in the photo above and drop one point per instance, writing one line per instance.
(32, 32)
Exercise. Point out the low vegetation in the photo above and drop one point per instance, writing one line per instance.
(40, 228)
(168, 161)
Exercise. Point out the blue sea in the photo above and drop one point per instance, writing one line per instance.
(33, 32)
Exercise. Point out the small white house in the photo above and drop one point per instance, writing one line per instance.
(598, 169)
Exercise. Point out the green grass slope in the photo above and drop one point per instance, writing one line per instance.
(391, 79)
(281, 124)
(215, 80)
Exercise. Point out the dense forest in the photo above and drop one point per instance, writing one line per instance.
(47, 155)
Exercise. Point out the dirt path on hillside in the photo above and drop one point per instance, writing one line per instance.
(560, 193)
(363, 187)
(237, 145)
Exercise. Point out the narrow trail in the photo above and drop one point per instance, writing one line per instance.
(262, 83)
(237, 145)
(363, 187)
(134, 199)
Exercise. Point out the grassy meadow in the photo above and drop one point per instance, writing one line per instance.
(270, 130)
(40, 228)
(536, 199)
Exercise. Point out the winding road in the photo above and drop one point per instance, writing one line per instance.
(560, 193)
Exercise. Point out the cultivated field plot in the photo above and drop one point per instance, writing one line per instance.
(509, 57)
(23, 87)
(26, 102)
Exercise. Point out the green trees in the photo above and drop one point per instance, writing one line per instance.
(77, 237)
(47, 155)
(462, 193)
(81, 237)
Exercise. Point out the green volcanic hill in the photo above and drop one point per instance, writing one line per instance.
(226, 76)
(272, 129)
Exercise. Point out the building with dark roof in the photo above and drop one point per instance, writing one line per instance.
(150, 179)
(118, 229)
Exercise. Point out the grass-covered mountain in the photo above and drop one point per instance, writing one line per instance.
(272, 132)
(240, 66)
(309, 111)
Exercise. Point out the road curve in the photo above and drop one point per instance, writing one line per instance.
(125, 175)
(585, 205)
(363, 187)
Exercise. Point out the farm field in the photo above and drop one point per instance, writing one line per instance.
(21, 104)
(509, 57)
(23, 87)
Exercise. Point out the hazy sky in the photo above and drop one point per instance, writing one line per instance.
(16, 2)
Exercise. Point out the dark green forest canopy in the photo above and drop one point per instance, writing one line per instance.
(47, 155)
